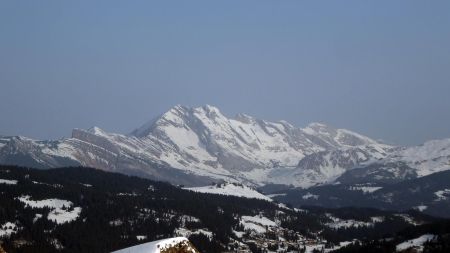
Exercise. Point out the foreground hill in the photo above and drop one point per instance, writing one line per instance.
(88, 210)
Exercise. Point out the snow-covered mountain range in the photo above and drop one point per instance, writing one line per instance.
(194, 146)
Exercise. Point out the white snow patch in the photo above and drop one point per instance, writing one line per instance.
(7, 181)
(299, 210)
(377, 219)
(442, 194)
(7, 229)
(231, 190)
(51, 185)
(238, 234)
(365, 189)
(257, 223)
(312, 247)
(141, 237)
(421, 208)
(51, 203)
(284, 206)
(416, 243)
(310, 196)
(61, 212)
(276, 195)
(37, 217)
(61, 216)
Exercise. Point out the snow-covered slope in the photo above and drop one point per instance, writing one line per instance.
(430, 157)
(403, 163)
(195, 146)
(181, 243)
(203, 139)
(325, 166)
(231, 189)
(416, 243)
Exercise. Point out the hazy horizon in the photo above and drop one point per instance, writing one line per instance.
(377, 68)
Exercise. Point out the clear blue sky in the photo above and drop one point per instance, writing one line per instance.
(378, 67)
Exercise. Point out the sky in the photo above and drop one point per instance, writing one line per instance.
(381, 68)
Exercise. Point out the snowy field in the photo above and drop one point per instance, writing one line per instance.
(231, 190)
(6, 181)
(61, 210)
(416, 243)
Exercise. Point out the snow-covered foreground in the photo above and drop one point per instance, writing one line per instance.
(61, 212)
(160, 246)
(231, 190)
(417, 243)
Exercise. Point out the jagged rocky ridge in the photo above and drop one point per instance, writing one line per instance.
(194, 146)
